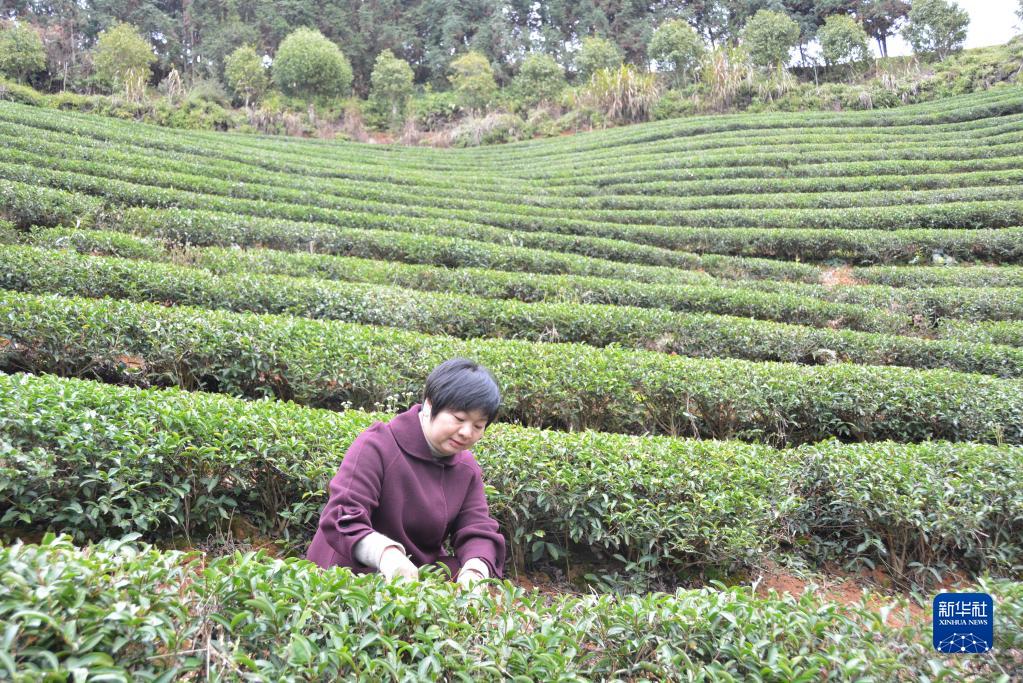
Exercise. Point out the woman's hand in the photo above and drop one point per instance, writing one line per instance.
(394, 563)
(470, 579)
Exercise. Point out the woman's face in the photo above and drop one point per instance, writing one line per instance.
(451, 431)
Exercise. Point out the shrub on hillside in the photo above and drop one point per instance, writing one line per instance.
(674, 104)
(246, 75)
(122, 60)
(624, 95)
(21, 52)
(540, 79)
(936, 27)
(391, 86)
(843, 41)
(768, 36)
(726, 73)
(596, 53)
(491, 129)
(309, 66)
(22, 94)
(434, 110)
(677, 49)
(472, 79)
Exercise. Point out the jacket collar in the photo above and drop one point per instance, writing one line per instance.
(408, 433)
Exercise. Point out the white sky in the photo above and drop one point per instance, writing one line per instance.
(992, 22)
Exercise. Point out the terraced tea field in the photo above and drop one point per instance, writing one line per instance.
(724, 343)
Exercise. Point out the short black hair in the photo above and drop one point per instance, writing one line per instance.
(462, 384)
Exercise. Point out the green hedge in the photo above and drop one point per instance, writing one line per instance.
(941, 276)
(708, 336)
(66, 153)
(24, 205)
(99, 461)
(461, 315)
(872, 308)
(1008, 332)
(573, 386)
(860, 247)
(130, 612)
(658, 192)
(864, 247)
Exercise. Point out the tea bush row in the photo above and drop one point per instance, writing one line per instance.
(1008, 332)
(298, 176)
(163, 188)
(99, 461)
(144, 614)
(569, 386)
(142, 166)
(467, 316)
(471, 313)
(880, 308)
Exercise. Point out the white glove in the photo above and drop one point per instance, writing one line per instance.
(394, 563)
(470, 575)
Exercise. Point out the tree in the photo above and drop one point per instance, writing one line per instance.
(309, 66)
(22, 54)
(473, 81)
(936, 26)
(881, 18)
(597, 53)
(161, 24)
(843, 41)
(768, 36)
(122, 59)
(710, 18)
(626, 23)
(391, 84)
(677, 49)
(540, 79)
(445, 29)
(1019, 10)
(245, 74)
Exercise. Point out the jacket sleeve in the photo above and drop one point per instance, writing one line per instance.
(354, 493)
(475, 533)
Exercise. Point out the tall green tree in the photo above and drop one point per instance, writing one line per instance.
(843, 41)
(677, 50)
(392, 85)
(540, 79)
(936, 26)
(245, 74)
(712, 19)
(123, 58)
(369, 28)
(21, 52)
(882, 19)
(596, 53)
(472, 79)
(474, 25)
(309, 66)
(158, 23)
(768, 36)
(627, 23)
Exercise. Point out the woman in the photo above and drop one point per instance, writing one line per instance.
(405, 486)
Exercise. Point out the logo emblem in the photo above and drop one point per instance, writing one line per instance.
(964, 623)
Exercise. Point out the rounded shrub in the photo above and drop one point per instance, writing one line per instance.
(310, 66)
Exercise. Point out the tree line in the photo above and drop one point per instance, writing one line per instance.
(196, 37)
(703, 56)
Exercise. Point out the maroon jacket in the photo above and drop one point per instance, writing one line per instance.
(390, 482)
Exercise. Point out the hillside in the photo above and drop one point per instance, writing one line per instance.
(725, 344)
